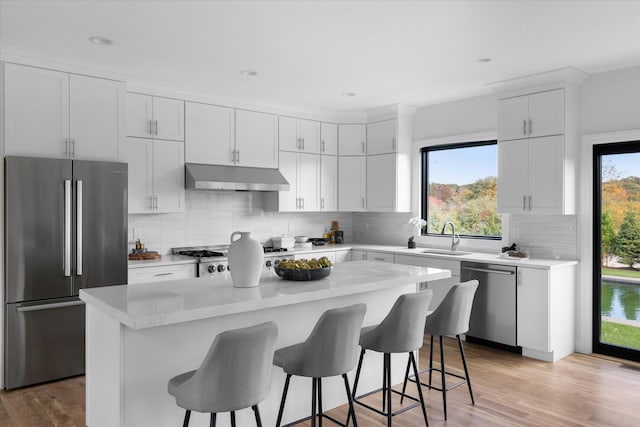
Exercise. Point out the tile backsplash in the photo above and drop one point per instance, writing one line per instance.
(211, 216)
(546, 236)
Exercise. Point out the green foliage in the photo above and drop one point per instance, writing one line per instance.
(627, 243)
(608, 234)
(471, 207)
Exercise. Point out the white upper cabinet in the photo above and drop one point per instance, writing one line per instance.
(97, 117)
(352, 183)
(299, 135)
(54, 114)
(256, 139)
(536, 171)
(156, 175)
(302, 171)
(382, 137)
(329, 138)
(209, 134)
(352, 140)
(381, 183)
(530, 116)
(328, 183)
(531, 176)
(155, 117)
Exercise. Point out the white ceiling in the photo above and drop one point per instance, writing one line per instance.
(307, 53)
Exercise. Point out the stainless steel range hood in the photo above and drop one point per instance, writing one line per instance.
(216, 177)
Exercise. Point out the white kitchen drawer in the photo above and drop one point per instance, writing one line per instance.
(380, 256)
(161, 273)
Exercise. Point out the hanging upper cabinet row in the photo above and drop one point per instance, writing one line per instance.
(60, 115)
(536, 167)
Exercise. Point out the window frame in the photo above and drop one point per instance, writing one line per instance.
(424, 182)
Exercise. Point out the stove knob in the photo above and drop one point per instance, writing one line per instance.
(269, 263)
(221, 268)
(211, 269)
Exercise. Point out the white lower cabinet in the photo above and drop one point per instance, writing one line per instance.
(439, 287)
(357, 255)
(156, 175)
(343, 256)
(545, 312)
(161, 273)
(380, 256)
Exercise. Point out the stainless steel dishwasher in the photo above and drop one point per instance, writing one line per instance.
(493, 316)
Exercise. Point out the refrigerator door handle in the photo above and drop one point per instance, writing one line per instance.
(79, 227)
(49, 306)
(67, 228)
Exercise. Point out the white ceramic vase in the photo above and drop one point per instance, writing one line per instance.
(246, 257)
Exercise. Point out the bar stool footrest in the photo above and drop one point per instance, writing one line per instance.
(380, 412)
(432, 387)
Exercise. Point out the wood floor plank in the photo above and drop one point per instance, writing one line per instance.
(510, 390)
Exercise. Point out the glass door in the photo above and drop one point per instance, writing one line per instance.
(616, 251)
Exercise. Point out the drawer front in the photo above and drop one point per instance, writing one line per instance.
(161, 273)
(380, 256)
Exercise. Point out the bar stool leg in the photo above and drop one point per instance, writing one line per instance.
(257, 414)
(466, 371)
(384, 381)
(352, 412)
(430, 359)
(442, 376)
(187, 415)
(314, 397)
(355, 382)
(212, 421)
(387, 357)
(412, 360)
(406, 379)
(319, 402)
(284, 397)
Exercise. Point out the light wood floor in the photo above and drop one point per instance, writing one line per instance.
(510, 390)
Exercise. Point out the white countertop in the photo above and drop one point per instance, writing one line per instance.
(492, 258)
(165, 260)
(162, 303)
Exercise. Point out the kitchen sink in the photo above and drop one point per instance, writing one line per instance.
(444, 252)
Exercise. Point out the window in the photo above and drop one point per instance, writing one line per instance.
(459, 184)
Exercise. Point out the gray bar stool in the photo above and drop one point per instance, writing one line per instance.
(235, 374)
(401, 331)
(451, 317)
(331, 349)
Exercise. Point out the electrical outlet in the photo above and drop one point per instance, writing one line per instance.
(137, 233)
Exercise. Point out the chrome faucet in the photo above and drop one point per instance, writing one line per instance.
(455, 239)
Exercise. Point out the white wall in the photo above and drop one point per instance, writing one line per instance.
(211, 216)
(609, 111)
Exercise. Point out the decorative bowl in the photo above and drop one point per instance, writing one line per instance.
(301, 239)
(303, 273)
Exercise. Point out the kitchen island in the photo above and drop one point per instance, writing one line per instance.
(140, 336)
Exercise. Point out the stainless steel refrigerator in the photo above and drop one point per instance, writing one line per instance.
(65, 229)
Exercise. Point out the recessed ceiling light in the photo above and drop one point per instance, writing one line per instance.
(249, 73)
(348, 94)
(102, 41)
(484, 59)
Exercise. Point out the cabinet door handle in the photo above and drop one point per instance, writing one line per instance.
(155, 202)
(163, 274)
(66, 146)
(530, 198)
(150, 127)
(322, 146)
(302, 198)
(393, 144)
(321, 202)
(150, 201)
(524, 203)
(237, 156)
(303, 143)
(524, 127)
(156, 127)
